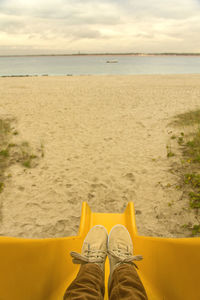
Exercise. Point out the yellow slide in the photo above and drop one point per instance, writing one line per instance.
(41, 269)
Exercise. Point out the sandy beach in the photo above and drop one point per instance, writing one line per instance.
(104, 142)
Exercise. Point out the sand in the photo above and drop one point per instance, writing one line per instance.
(105, 143)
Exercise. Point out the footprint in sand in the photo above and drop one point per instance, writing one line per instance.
(68, 185)
(130, 176)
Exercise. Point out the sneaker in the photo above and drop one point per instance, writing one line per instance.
(120, 248)
(94, 249)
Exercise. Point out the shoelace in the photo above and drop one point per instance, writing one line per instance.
(124, 257)
(92, 256)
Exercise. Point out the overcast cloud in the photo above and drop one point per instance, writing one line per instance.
(72, 26)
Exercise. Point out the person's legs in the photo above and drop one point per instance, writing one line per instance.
(89, 283)
(124, 282)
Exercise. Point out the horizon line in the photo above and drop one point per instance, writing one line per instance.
(106, 53)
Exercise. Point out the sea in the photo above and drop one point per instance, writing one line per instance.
(98, 65)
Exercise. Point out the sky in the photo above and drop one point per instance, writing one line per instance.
(88, 26)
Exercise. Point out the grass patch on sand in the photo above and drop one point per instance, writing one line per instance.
(188, 118)
(189, 168)
(5, 133)
(12, 152)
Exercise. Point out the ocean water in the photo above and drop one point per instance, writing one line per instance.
(97, 65)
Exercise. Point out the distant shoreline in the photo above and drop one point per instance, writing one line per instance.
(105, 54)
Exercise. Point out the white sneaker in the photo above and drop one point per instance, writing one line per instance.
(94, 249)
(120, 248)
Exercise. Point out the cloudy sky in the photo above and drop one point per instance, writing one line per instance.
(72, 26)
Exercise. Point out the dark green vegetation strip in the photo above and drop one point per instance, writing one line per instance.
(15, 152)
(189, 169)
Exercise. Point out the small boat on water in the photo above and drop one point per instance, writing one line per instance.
(112, 61)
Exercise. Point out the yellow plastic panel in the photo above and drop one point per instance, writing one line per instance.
(42, 269)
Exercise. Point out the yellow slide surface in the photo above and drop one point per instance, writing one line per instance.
(41, 269)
